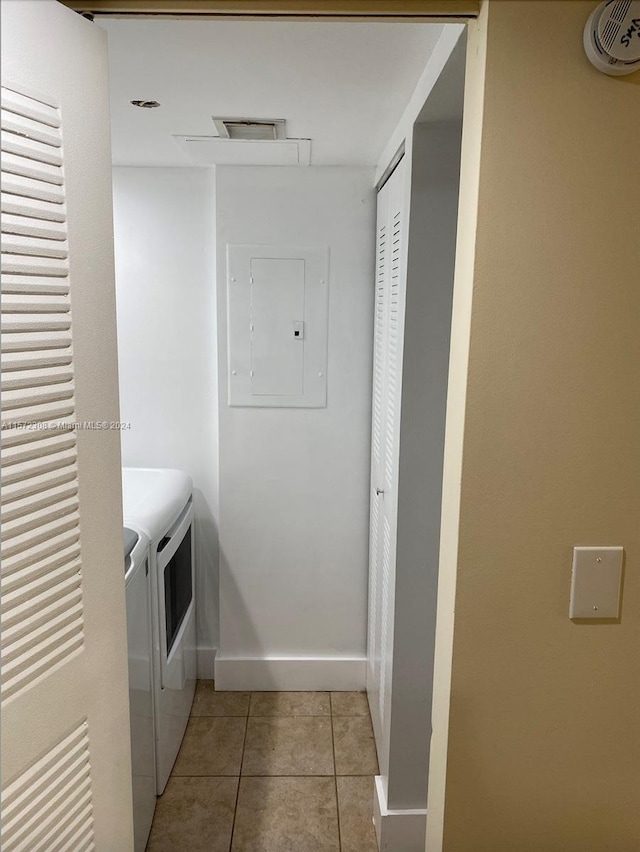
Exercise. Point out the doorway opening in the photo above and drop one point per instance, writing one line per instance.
(282, 241)
(245, 218)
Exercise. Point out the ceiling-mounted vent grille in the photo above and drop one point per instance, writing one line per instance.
(254, 129)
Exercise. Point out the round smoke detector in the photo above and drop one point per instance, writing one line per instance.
(612, 37)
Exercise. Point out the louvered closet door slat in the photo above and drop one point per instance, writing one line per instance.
(24, 363)
(29, 167)
(28, 127)
(22, 107)
(35, 207)
(40, 518)
(52, 471)
(31, 245)
(13, 438)
(35, 323)
(33, 302)
(37, 341)
(36, 396)
(29, 148)
(33, 226)
(32, 188)
(64, 558)
(27, 377)
(25, 285)
(26, 513)
(41, 264)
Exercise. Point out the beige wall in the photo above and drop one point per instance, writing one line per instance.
(544, 728)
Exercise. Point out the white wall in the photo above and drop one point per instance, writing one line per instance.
(294, 482)
(164, 242)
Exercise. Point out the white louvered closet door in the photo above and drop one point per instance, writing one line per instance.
(387, 369)
(65, 744)
(378, 408)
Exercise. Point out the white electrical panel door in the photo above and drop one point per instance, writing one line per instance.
(277, 311)
(277, 301)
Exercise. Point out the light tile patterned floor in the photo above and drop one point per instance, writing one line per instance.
(271, 772)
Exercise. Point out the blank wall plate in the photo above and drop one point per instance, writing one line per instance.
(596, 578)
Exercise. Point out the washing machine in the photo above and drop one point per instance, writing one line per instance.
(159, 503)
(141, 713)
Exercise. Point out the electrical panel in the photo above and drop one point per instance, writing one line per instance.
(277, 313)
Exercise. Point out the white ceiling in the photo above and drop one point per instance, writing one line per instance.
(343, 85)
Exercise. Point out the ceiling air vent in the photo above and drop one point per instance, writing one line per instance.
(254, 129)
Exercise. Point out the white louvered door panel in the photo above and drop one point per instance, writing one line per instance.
(388, 341)
(377, 462)
(394, 345)
(41, 591)
(65, 750)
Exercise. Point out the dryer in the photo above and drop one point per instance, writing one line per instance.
(159, 503)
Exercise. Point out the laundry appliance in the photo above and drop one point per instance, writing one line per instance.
(159, 503)
(142, 722)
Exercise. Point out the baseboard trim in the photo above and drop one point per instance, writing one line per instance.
(397, 829)
(305, 674)
(205, 663)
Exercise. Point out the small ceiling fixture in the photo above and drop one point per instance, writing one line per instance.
(146, 104)
(254, 129)
(612, 37)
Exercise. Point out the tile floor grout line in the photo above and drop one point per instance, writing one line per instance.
(244, 742)
(279, 775)
(335, 776)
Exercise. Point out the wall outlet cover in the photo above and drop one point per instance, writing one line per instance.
(596, 580)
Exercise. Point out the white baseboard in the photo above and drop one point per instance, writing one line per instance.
(397, 831)
(205, 663)
(290, 673)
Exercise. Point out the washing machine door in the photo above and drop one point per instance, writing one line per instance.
(175, 589)
(176, 603)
